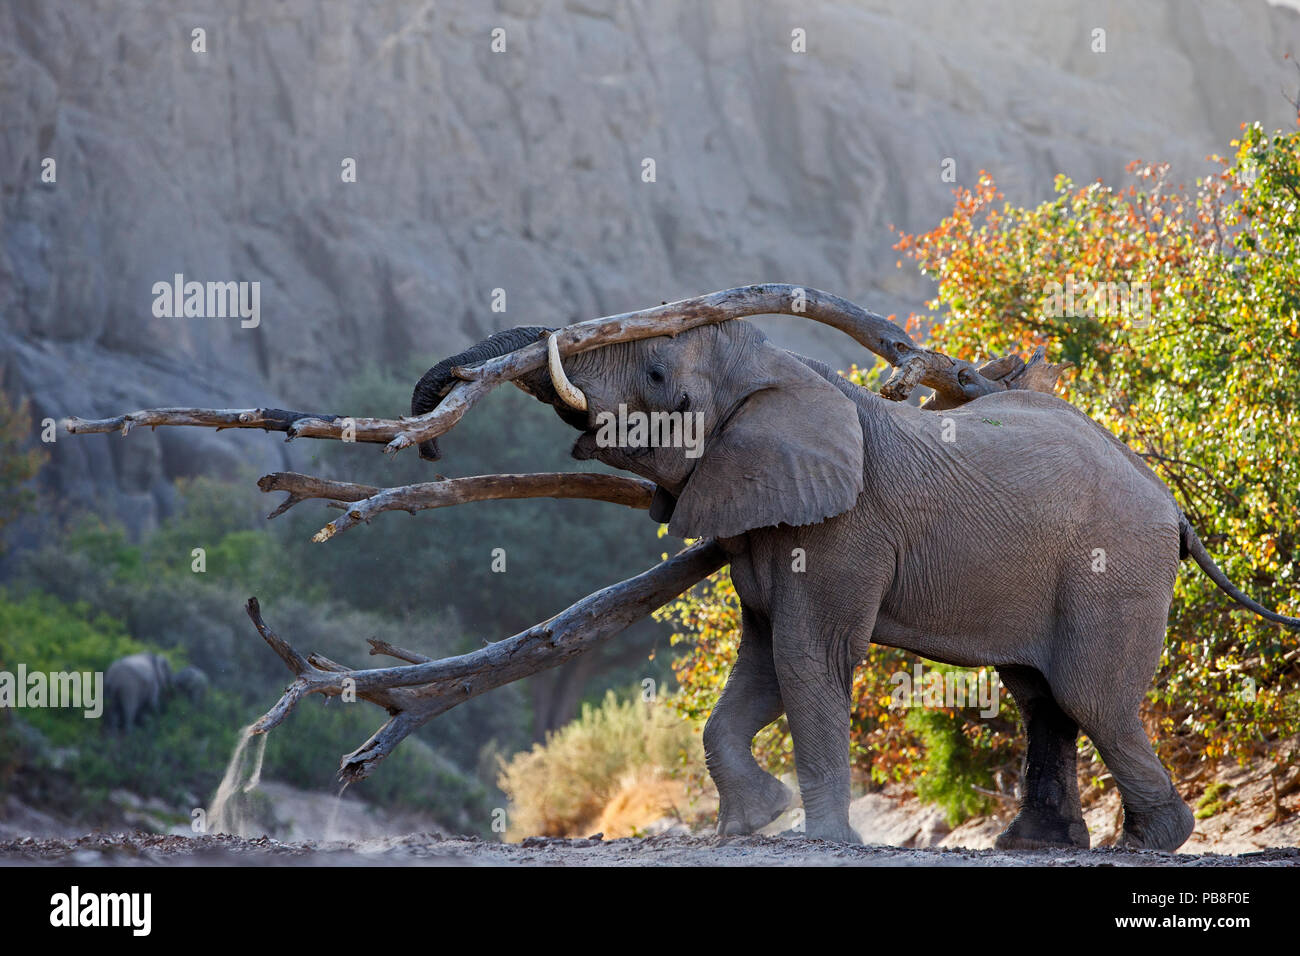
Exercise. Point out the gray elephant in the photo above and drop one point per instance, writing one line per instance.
(193, 683)
(1012, 531)
(135, 685)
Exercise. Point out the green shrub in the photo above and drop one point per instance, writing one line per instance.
(46, 635)
(953, 765)
(1212, 801)
(1205, 383)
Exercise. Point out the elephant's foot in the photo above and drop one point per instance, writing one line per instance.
(1165, 827)
(838, 832)
(1039, 829)
(751, 805)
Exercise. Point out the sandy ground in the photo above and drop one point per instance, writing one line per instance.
(429, 849)
(1252, 827)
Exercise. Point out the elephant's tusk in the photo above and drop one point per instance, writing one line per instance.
(570, 393)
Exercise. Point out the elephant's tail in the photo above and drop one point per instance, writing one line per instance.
(1191, 546)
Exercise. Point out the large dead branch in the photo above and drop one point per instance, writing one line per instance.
(954, 381)
(370, 501)
(414, 693)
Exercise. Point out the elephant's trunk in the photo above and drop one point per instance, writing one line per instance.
(438, 381)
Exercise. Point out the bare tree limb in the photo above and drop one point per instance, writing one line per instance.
(294, 424)
(616, 489)
(267, 419)
(415, 693)
(954, 381)
(958, 380)
(383, 647)
(303, 487)
(370, 501)
(1013, 373)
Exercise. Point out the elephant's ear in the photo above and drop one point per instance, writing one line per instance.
(790, 453)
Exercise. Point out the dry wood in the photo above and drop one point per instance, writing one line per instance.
(370, 501)
(267, 419)
(344, 428)
(414, 693)
(1012, 372)
(383, 647)
(957, 379)
(954, 381)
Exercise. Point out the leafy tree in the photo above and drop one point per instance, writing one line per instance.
(1195, 363)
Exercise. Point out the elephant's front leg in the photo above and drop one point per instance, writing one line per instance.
(749, 797)
(815, 670)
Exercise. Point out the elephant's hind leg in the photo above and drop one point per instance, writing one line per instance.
(1103, 690)
(749, 797)
(1155, 816)
(1050, 814)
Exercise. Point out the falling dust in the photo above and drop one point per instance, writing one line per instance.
(235, 811)
(332, 827)
(231, 812)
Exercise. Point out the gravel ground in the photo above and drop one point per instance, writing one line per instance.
(138, 849)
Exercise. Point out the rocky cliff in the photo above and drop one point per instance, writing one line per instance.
(523, 170)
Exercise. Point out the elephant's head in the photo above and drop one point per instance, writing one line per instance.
(769, 440)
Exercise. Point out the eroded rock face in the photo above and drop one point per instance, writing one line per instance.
(523, 170)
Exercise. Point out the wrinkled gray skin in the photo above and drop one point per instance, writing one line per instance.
(191, 682)
(135, 685)
(975, 551)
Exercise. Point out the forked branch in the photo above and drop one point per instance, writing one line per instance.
(414, 693)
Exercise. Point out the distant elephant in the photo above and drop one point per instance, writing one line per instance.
(1011, 531)
(193, 683)
(135, 685)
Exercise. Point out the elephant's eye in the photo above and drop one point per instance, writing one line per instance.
(657, 374)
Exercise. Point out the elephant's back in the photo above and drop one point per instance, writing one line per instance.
(1030, 462)
(1063, 477)
(1023, 497)
(1062, 427)
(134, 668)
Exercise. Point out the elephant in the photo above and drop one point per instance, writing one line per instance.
(134, 685)
(1012, 531)
(193, 683)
